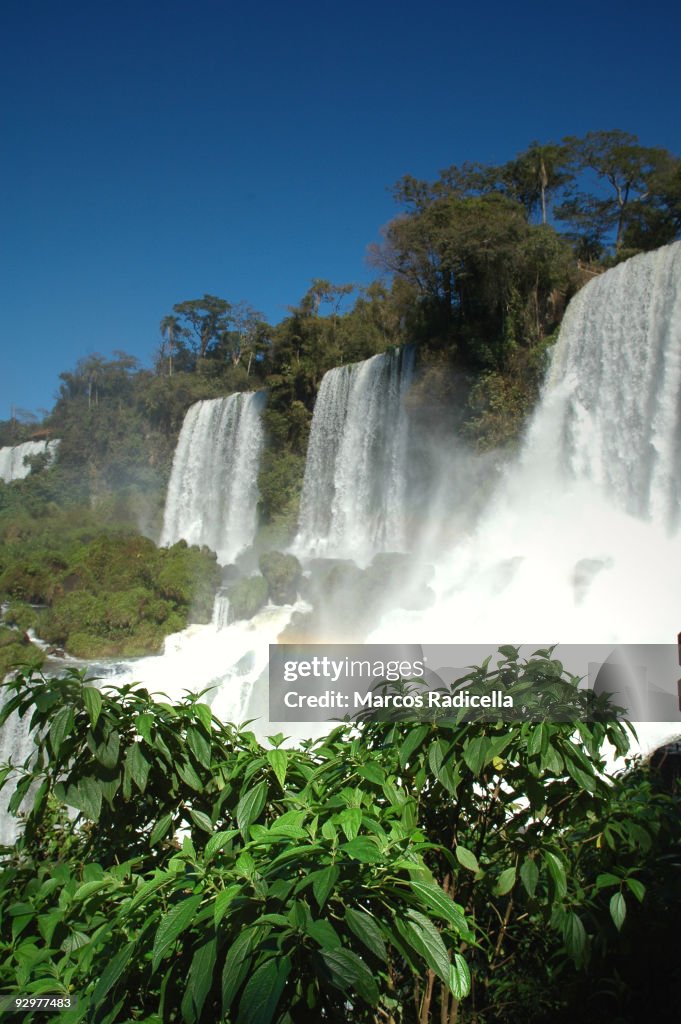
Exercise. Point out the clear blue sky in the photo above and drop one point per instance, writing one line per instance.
(158, 149)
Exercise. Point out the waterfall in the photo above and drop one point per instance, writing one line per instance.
(213, 490)
(611, 411)
(355, 486)
(581, 542)
(12, 460)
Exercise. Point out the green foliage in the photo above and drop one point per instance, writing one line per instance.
(247, 597)
(107, 594)
(204, 877)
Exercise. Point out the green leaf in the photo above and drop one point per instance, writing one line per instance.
(372, 773)
(160, 829)
(202, 821)
(366, 929)
(438, 902)
(237, 963)
(218, 842)
(200, 979)
(93, 703)
(505, 882)
(363, 849)
(250, 806)
(529, 873)
(62, 726)
(638, 888)
(171, 927)
(467, 859)
(199, 745)
(574, 934)
(278, 761)
(86, 796)
(350, 821)
(414, 739)
(223, 902)
(557, 872)
(112, 972)
(459, 978)
(186, 772)
(618, 909)
(476, 753)
(348, 971)
(137, 766)
(323, 882)
(263, 991)
(143, 724)
(422, 935)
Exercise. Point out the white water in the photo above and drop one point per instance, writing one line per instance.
(213, 489)
(354, 493)
(12, 460)
(580, 544)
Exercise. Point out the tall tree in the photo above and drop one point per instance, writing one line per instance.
(205, 320)
(629, 171)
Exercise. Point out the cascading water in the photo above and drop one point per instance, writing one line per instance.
(213, 489)
(353, 500)
(581, 542)
(12, 460)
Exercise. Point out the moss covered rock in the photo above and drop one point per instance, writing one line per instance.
(283, 574)
(247, 597)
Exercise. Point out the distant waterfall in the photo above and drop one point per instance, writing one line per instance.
(355, 487)
(213, 489)
(12, 460)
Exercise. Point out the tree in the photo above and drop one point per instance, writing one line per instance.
(205, 321)
(634, 174)
(536, 174)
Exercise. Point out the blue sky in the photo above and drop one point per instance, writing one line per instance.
(156, 150)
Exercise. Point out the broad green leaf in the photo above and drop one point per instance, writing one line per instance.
(93, 703)
(200, 980)
(186, 772)
(160, 829)
(137, 765)
(467, 859)
(112, 972)
(574, 934)
(366, 929)
(176, 921)
(107, 752)
(218, 842)
(638, 888)
(372, 773)
(323, 883)
(414, 739)
(143, 724)
(348, 971)
(350, 821)
(86, 796)
(250, 806)
(618, 909)
(323, 932)
(202, 821)
(459, 978)
(477, 752)
(262, 993)
(437, 901)
(62, 726)
(529, 873)
(363, 849)
(223, 902)
(278, 761)
(422, 935)
(557, 872)
(290, 824)
(237, 963)
(199, 745)
(505, 882)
